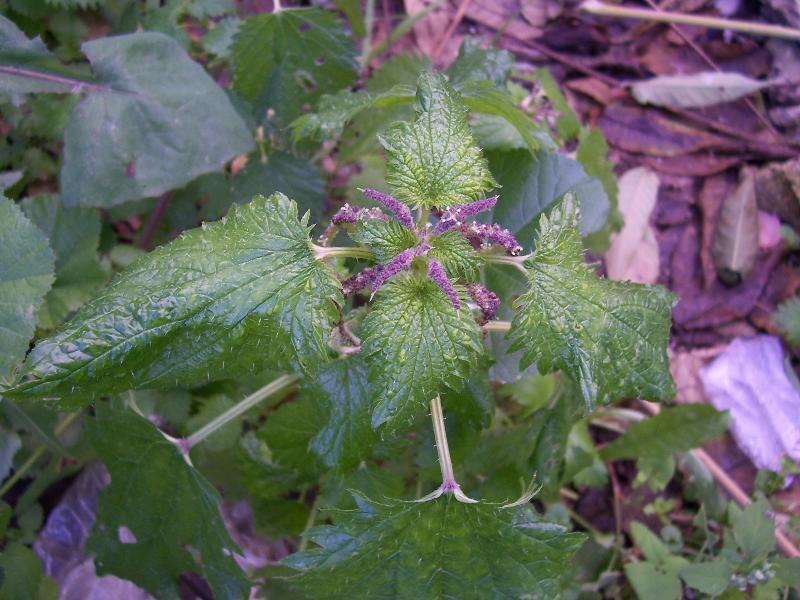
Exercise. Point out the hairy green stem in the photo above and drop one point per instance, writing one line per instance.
(369, 22)
(323, 252)
(37, 454)
(497, 326)
(442, 448)
(598, 8)
(278, 385)
(504, 259)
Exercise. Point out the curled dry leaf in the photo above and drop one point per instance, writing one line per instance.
(633, 255)
(735, 244)
(695, 91)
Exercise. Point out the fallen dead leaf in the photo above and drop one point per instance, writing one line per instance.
(707, 88)
(735, 245)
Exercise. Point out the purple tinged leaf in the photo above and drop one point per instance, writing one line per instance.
(453, 217)
(437, 273)
(400, 210)
(486, 300)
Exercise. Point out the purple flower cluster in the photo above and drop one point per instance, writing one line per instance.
(400, 210)
(401, 262)
(437, 273)
(453, 217)
(360, 280)
(479, 233)
(349, 214)
(486, 300)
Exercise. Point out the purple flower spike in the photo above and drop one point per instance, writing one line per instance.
(453, 217)
(437, 273)
(346, 214)
(493, 234)
(361, 280)
(486, 300)
(401, 262)
(400, 210)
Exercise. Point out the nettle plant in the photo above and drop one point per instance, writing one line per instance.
(376, 334)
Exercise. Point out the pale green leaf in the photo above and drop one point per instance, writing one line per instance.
(476, 63)
(26, 274)
(416, 344)
(675, 429)
(219, 38)
(233, 296)
(74, 234)
(286, 59)
(435, 550)
(787, 319)
(567, 122)
(652, 582)
(753, 529)
(435, 161)
(696, 90)
(712, 577)
(170, 510)
(610, 337)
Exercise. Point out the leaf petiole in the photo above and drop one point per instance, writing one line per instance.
(323, 252)
(503, 259)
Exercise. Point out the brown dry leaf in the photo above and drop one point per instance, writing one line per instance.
(598, 91)
(633, 253)
(685, 365)
(691, 165)
(539, 12)
(503, 15)
(778, 190)
(646, 131)
(427, 31)
(735, 244)
(714, 191)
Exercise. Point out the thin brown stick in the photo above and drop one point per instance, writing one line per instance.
(153, 221)
(448, 33)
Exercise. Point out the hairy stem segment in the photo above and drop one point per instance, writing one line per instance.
(449, 483)
(323, 252)
(278, 385)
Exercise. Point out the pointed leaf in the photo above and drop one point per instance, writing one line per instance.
(735, 244)
(435, 161)
(233, 296)
(610, 337)
(696, 90)
(288, 58)
(416, 344)
(456, 254)
(26, 273)
(435, 550)
(157, 512)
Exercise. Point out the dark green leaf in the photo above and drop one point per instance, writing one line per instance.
(219, 39)
(676, 429)
(21, 576)
(386, 239)
(476, 63)
(288, 433)
(610, 337)
(288, 58)
(712, 577)
(74, 234)
(753, 529)
(139, 135)
(457, 255)
(435, 161)
(531, 184)
(168, 507)
(416, 344)
(26, 273)
(435, 550)
(352, 10)
(230, 297)
(787, 319)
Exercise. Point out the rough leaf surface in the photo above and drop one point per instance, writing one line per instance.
(416, 344)
(435, 161)
(26, 273)
(236, 295)
(167, 506)
(386, 239)
(435, 550)
(610, 337)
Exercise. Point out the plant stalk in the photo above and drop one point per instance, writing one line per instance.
(442, 448)
(323, 252)
(625, 12)
(497, 326)
(504, 259)
(278, 385)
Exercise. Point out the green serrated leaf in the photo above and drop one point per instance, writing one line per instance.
(219, 38)
(26, 274)
(288, 433)
(416, 344)
(342, 397)
(610, 337)
(435, 550)
(533, 183)
(74, 234)
(476, 63)
(787, 319)
(712, 577)
(456, 254)
(333, 113)
(288, 58)
(676, 429)
(157, 511)
(231, 297)
(435, 161)
(753, 529)
(386, 239)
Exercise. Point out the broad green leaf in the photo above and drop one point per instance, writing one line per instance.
(342, 397)
(787, 319)
(287, 59)
(567, 123)
(27, 66)
(416, 344)
(233, 296)
(532, 183)
(457, 255)
(434, 161)
(676, 429)
(753, 529)
(788, 570)
(712, 577)
(610, 337)
(21, 575)
(435, 550)
(74, 234)
(288, 433)
(653, 582)
(26, 273)
(386, 239)
(135, 133)
(696, 90)
(333, 112)
(649, 543)
(219, 39)
(476, 63)
(496, 133)
(157, 512)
